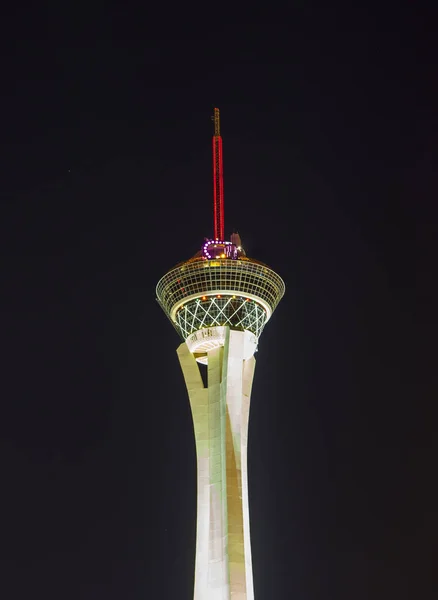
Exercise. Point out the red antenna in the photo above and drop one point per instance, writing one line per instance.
(218, 180)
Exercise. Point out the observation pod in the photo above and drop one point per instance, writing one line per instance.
(202, 296)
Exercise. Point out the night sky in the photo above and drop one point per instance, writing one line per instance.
(329, 125)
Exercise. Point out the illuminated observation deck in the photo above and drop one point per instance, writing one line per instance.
(206, 292)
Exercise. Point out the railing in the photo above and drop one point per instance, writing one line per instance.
(195, 278)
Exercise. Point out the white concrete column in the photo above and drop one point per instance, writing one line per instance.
(248, 377)
(236, 387)
(198, 396)
(223, 568)
(218, 580)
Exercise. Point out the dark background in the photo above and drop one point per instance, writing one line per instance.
(330, 131)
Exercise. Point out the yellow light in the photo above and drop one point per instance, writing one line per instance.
(222, 255)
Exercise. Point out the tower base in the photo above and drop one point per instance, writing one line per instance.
(223, 566)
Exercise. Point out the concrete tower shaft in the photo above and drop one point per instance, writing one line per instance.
(223, 566)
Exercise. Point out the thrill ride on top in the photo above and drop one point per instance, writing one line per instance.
(219, 286)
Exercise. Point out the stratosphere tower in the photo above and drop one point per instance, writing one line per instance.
(219, 302)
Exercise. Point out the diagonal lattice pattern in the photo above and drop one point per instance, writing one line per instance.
(237, 312)
(210, 277)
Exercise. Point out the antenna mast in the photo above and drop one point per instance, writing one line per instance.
(218, 180)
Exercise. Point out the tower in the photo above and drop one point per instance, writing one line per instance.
(219, 302)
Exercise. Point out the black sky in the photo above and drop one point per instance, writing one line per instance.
(330, 131)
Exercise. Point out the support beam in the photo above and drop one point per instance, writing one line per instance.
(223, 568)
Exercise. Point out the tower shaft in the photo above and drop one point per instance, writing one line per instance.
(223, 566)
(218, 180)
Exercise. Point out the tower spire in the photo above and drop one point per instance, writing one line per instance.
(218, 180)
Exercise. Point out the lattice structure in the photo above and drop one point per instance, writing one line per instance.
(202, 279)
(237, 312)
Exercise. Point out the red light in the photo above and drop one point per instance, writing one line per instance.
(218, 188)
